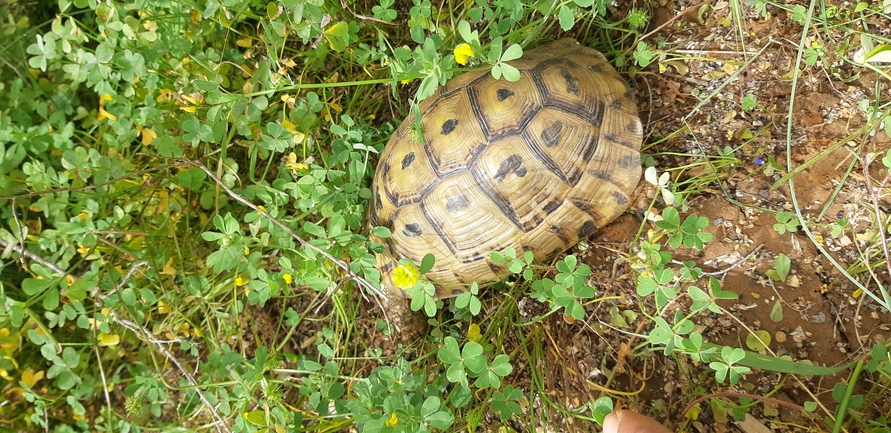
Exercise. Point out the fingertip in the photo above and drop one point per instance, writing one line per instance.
(611, 423)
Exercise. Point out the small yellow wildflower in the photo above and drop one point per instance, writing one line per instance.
(106, 340)
(239, 281)
(244, 42)
(247, 250)
(393, 420)
(288, 278)
(299, 137)
(290, 127)
(406, 276)
(148, 136)
(291, 162)
(31, 378)
(463, 53)
(473, 333)
(105, 115)
(164, 95)
(260, 213)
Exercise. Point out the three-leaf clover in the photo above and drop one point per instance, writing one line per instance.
(725, 367)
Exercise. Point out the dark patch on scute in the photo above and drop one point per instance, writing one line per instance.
(536, 221)
(610, 137)
(615, 105)
(511, 164)
(602, 175)
(448, 126)
(551, 134)
(378, 204)
(395, 198)
(385, 168)
(406, 162)
(587, 229)
(372, 220)
(503, 94)
(582, 205)
(596, 68)
(473, 258)
(458, 292)
(456, 203)
(495, 268)
(629, 161)
(412, 230)
(589, 151)
(552, 206)
(557, 229)
(633, 127)
(572, 83)
(388, 267)
(620, 198)
(597, 117)
(553, 254)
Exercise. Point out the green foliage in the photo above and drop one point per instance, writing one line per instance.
(643, 55)
(471, 362)
(781, 267)
(748, 102)
(600, 408)
(506, 403)
(759, 5)
(786, 222)
(638, 18)
(392, 398)
(469, 300)
(725, 365)
(689, 233)
(799, 14)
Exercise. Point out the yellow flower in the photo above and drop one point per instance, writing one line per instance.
(463, 53)
(288, 278)
(105, 115)
(148, 136)
(290, 127)
(393, 420)
(406, 276)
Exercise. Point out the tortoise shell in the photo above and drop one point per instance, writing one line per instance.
(536, 165)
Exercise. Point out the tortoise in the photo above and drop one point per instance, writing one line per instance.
(537, 165)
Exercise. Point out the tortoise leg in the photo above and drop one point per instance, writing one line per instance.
(408, 325)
